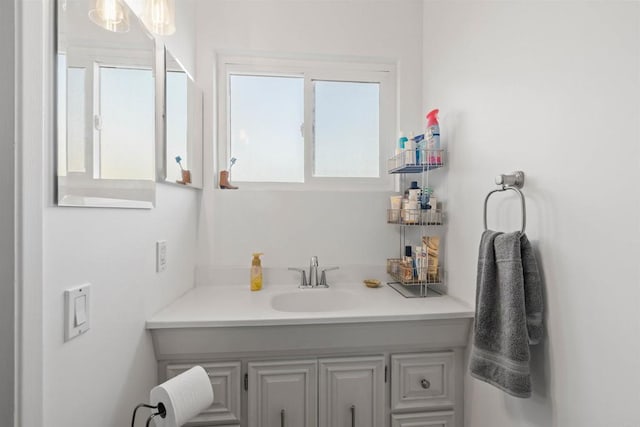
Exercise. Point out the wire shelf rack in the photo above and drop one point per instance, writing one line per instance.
(415, 216)
(415, 161)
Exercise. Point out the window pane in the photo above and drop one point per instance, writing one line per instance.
(176, 104)
(127, 110)
(76, 118)
(346, 136)
(266, 117)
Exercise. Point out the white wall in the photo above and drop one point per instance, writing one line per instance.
(114, 250)
(97, 378)
(7, 220)
(551, 88)
(340, 227)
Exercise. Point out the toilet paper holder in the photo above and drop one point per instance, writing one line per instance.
(179, 399)
(162, 411)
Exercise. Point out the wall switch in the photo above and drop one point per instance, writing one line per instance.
(76, 311)
(161, 256)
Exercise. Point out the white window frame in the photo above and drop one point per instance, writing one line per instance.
(312, 69)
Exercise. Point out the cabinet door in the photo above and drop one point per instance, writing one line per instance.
(352, 392)
(225, 381)
(283, 394)
(425, 419)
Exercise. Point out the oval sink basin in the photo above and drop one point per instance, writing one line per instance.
(314, 300)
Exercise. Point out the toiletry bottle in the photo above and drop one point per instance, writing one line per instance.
(432, 135)
(401, 141)
(410, 151)
(399, 157)
(256, 272)
(413, 192)
(409, 267)
(425, 196)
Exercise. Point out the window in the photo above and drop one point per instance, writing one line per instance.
(346, 129)
(106, 116)
(127, 124)
(297, 123)
(266, 118)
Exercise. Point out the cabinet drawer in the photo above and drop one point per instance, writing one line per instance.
(424, 419)
(225, 381)
(422, 381)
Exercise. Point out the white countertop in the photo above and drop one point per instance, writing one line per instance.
(225, 306)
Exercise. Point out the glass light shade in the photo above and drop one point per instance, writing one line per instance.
(159, 16)
(110, 15)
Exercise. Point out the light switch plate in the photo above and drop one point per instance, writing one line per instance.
(161, 256)
(77, 310)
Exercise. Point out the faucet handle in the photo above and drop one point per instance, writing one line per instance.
(303, 276)
(323, 277)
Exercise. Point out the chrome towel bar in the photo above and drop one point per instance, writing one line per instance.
(514, 182)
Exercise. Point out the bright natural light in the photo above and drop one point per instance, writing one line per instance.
(177, 133)
(266, 128)
(346, 129)
(127, 111)
(76, 119)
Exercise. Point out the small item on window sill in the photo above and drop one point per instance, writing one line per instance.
(224, 181)
(186, 177)
(186, 174)
(225, 177)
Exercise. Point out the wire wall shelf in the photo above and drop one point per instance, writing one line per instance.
(410, 275)
(419, 217)
(412, 282)
(415, 161)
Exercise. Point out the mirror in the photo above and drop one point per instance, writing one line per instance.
(105, 106)
(183, 125)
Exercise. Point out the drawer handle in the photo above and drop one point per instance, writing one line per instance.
(282, 418)
(425, 383)
(353, 415)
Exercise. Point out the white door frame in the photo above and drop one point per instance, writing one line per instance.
(34, 25)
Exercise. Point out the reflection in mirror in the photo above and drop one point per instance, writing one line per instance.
(183, 125)
(105, 106)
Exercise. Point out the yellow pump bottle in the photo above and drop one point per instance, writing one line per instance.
(256, 272)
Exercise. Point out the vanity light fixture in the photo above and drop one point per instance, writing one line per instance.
(110, 15)
(159, 16)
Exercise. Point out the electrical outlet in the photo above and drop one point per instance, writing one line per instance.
(161, 256)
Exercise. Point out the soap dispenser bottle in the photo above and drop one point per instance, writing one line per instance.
(256, 272)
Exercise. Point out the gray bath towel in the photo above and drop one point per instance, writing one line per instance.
(508, 312)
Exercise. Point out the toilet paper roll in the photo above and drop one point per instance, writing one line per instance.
(184, 396)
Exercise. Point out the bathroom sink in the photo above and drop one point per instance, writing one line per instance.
(314, 300)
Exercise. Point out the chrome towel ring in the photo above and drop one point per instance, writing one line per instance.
(513, 181)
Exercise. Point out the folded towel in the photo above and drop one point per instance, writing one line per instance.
(508, 312)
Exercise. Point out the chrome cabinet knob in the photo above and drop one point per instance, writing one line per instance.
(425, 383)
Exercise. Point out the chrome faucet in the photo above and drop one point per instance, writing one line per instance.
(313, 271)
(313, 275)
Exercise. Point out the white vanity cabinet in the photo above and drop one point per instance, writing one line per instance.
(367, 374)
(282, 394)
(225, 382)
(351, 392)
